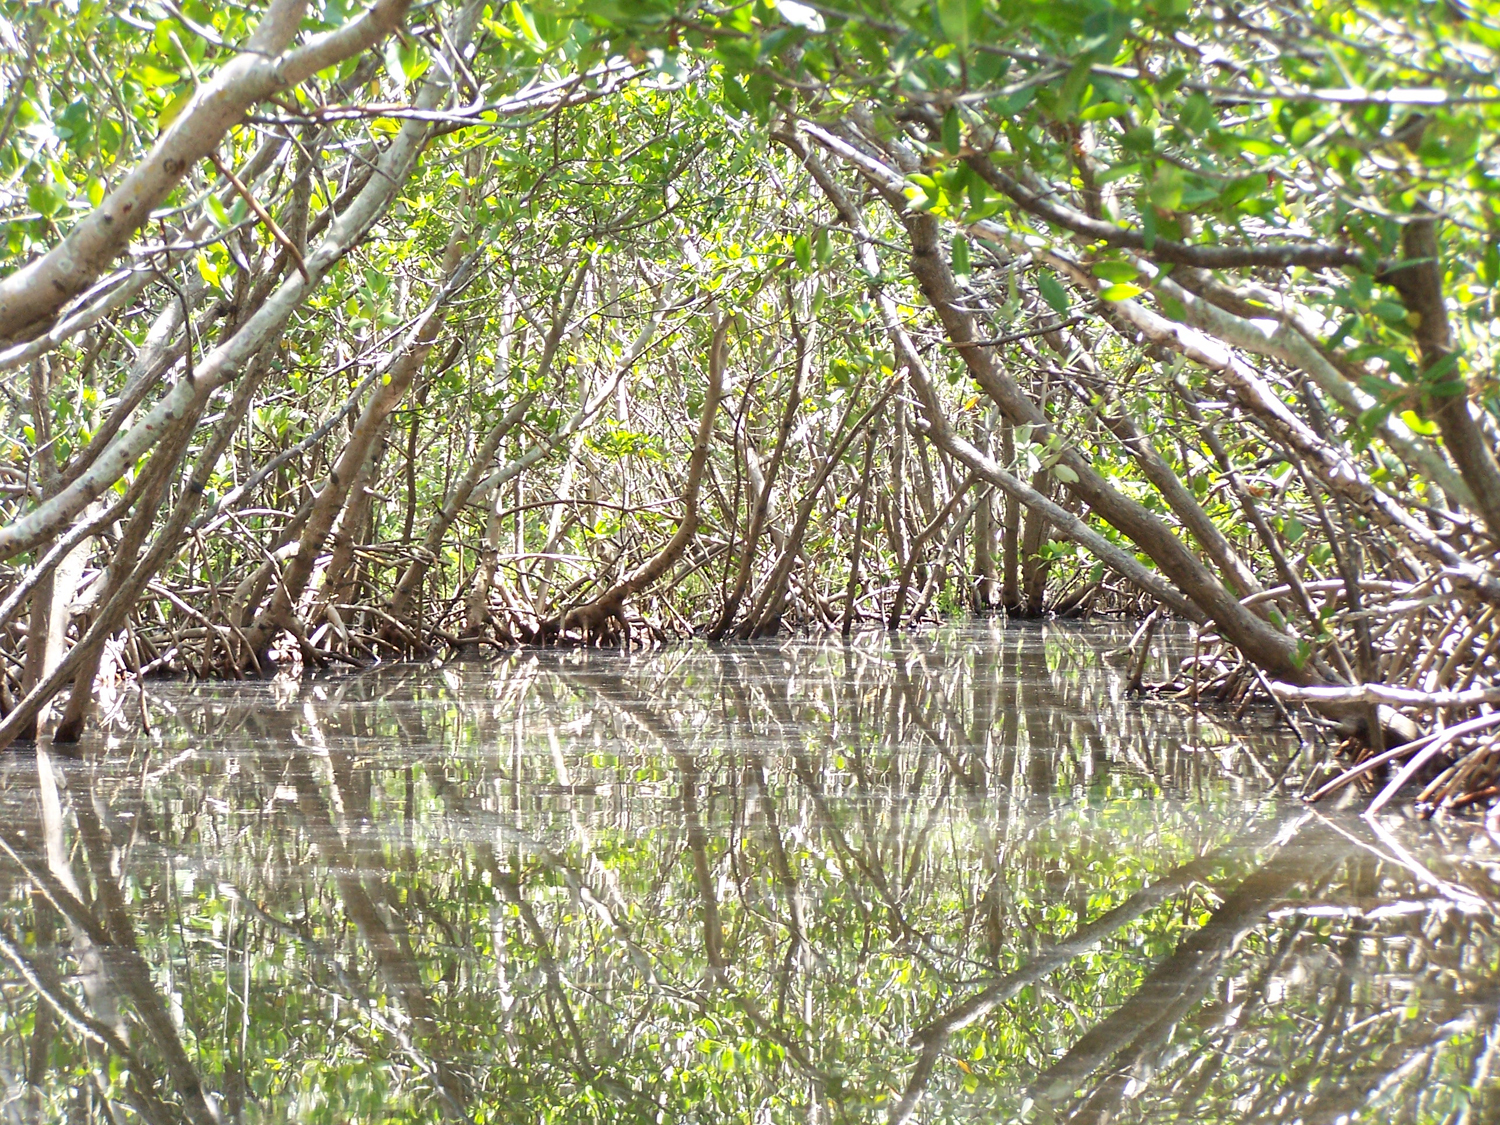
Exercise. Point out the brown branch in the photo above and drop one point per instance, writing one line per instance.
(261, 213)
(1275, 255)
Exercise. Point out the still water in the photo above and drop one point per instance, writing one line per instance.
(952, 877)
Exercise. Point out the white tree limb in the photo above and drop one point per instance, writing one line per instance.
(34, 293)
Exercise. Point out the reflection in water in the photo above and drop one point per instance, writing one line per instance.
(957, 877)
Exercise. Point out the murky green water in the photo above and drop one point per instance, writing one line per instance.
(957, 877)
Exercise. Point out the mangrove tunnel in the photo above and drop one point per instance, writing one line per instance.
(702, 560)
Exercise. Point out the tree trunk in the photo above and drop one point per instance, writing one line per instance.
(556, 526)
(768, 606)
(1268, 647)
(763, 498)
(859, 534)
(596, 618)
(262, 329)
(125, 573)
(1122, 561)
(425, 553)
(898, 606)
(1419, 281)
(1033, 567)
(1153, 466)
(1010, 584)
(280, 612)
(349, 531)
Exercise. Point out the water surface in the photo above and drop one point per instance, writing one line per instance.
(953, 877)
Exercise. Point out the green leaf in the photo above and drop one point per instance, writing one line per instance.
(1197, 113)
(961, 255)
(393, 64)
(155, 76)
(823, 249)
(1064, 474)
(1100, 110)
(376, 281)
(1015, 103)
(1115, 271)
(414, 59)
(802, 249)
(1117, 172)
(1167, 186)
(1119, 292)
(1052, 292)
(207, 270)
(737, 55)
(978, 192)
(954, 17)
(1417, 424)
(1073, 86)
(1441, 368)
(734, 94)
(521, 17)
(952, 131)
(173, 108)
(73, 122)
(1240, 190)
(161, 39)
(1148, 227)
(1489, 267)
(1140, 139)
(918, 200)
(1336, 337)
(43, 200)
(988, 209)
